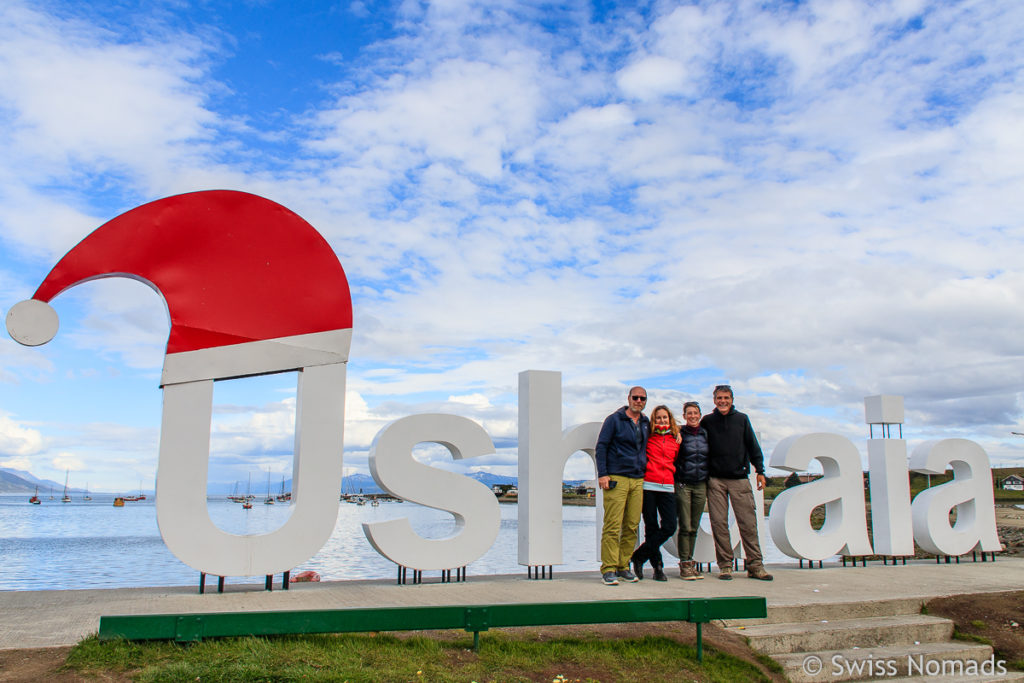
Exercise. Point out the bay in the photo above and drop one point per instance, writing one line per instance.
(92, 544)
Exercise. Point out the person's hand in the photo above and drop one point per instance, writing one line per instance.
(679, 438)
(761, 481)
(604, 482)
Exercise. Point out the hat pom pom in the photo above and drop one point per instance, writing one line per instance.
(32, 322)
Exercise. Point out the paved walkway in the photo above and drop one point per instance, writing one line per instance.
(53, 618)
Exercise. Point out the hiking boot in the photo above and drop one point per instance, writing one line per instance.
(626, 576)
(725, 573)
(760, 574)
(688, 571)
(638, 567)
(610, 579)
(659, 574)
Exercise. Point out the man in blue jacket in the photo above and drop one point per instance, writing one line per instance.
(621, 460)
(732, 449)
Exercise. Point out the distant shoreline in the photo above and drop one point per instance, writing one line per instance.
(583, 502)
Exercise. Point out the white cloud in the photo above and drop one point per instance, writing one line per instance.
(816, 202)
(67, 462)
(19, 440)
(652, 77)
(23, 463)
(82, 95)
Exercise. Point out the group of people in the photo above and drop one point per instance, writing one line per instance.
(665, 472)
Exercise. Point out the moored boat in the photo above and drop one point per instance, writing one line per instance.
(269, 500)
(247, 505)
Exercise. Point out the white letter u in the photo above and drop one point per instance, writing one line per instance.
(181, 508)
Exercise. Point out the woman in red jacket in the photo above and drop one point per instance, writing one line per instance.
(659, 507)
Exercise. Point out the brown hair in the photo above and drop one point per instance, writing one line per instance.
(673, 425)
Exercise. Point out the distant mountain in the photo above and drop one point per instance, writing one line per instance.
(353, 483)
(492, 479)
(364, 483)
(359, 483)
(19, 481)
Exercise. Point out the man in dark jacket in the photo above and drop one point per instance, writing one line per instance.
(732, 448)
(621, 455)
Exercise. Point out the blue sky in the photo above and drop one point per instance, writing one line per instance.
(812, 201)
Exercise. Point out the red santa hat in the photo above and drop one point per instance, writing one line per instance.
(251, 288)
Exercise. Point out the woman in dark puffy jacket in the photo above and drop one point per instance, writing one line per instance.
(659, 506)
(691, 487)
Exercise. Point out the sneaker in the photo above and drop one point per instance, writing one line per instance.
(759, 574)
(627, 576)
(725, 574)
(610, 579)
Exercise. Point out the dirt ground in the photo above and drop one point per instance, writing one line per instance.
(40, 664)
(1009, 515)
(1010, 523)
(996, 617)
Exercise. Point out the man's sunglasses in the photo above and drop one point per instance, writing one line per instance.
(639, 398)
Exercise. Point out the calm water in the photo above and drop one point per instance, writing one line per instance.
(95, 545)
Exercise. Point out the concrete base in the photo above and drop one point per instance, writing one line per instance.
(878, 631)
(54, 618)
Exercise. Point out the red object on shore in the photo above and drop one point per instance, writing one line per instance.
(304, 577)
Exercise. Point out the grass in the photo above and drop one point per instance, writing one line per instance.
(769, 663)
(385, 657)
(970, 637)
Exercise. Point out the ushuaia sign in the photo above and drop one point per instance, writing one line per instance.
(234, 270)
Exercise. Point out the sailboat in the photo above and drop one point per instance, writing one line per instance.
(269, 500)
(66, 498)
(86, 496)
(35, 498)
(284, 497)
(247, 505)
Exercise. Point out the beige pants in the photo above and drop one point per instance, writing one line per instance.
(622, 506)
(720, 493)
(690, 500)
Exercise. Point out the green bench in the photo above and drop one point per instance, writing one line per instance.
(474, 618)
